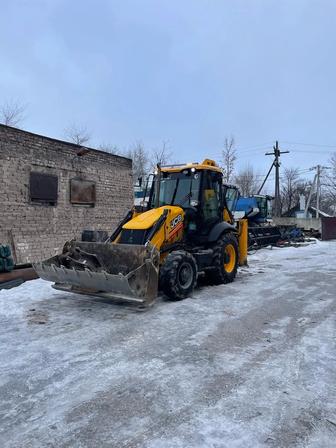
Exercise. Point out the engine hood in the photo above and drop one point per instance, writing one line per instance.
(146, 219)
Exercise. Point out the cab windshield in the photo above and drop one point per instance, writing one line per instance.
(262, 205)
(231, 196)
(178, 189)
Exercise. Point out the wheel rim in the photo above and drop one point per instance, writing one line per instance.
(231, 257)
(185, 275)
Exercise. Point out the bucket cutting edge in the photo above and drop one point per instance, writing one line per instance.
(120, 271)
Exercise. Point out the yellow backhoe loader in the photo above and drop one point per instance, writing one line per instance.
(183, 230)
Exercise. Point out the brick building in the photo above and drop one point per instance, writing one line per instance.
(50, 190)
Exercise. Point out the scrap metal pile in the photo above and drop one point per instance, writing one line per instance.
(12, 275)
(261, 232)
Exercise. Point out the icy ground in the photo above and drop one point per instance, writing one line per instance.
(250, 364)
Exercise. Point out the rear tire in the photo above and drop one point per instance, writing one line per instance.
(225, 260)
(178, 275)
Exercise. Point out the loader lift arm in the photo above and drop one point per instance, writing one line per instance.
(117, 231)
(186, 230)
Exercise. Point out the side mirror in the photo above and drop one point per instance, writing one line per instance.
(139, 181)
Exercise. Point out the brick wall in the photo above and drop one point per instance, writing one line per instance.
(38, 231)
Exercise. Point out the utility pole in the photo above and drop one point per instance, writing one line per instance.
(318, 189)
(276, 163)
(319, 169)
(310, 194)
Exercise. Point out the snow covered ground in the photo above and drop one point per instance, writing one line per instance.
(250, 364)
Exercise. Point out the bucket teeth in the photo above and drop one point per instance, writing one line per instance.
(121, 271)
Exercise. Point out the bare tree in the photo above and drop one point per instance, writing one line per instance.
(331, 175)
(161, 155)
(290, 190)
(12, 113)
(140, 160)
(329, 187)
(246, 180)
(332, 162)
(228, 159)
(110, 148)
(77, 134)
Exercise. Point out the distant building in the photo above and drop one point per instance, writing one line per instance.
(51, 190)
(298, 211)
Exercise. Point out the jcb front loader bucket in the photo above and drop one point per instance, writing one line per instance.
(120, 271)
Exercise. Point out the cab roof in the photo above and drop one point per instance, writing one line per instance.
(207, 164)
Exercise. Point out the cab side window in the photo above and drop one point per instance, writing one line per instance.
(211, 197)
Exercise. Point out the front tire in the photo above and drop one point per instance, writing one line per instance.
(178, 275)
(225, 260)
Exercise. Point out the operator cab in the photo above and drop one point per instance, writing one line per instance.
(199, 191)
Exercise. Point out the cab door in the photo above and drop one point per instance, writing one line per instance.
(230, 198)
(211, 200)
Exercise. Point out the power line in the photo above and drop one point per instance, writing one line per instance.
(259, 145)
(247, 152)
(252, 148)
(310, 144)
(311, 151)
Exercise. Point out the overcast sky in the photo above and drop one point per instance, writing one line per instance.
(186, 71)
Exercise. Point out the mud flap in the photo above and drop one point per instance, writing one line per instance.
(118, 271)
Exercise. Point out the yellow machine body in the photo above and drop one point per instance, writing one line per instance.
(207, 164)
(243, 241)
(127, 266)
(170, 232)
